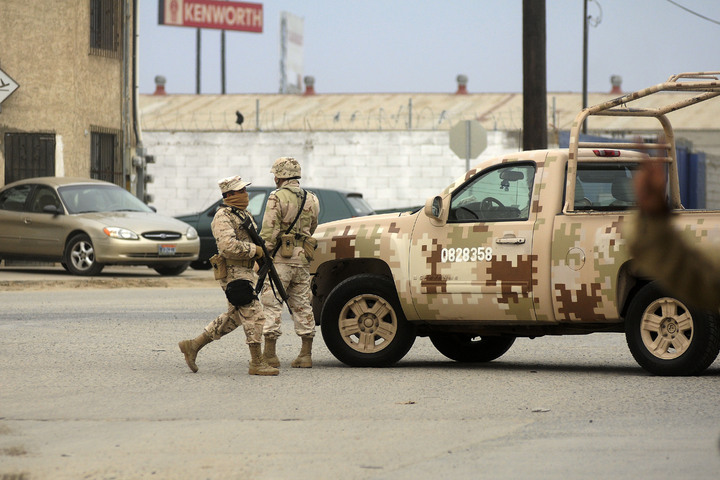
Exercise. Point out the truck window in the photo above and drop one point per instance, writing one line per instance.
(501, 194)
(605, 186)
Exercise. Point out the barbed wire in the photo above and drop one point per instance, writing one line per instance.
(426, 119)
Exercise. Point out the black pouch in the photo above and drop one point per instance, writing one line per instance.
(240, 292)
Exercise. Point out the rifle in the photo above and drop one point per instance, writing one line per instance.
(267, 267)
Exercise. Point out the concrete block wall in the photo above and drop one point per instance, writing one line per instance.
(391, 169)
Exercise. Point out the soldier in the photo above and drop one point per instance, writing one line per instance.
(291, 216)
(233, 267)
(659, 250)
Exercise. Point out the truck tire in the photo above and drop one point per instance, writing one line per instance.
(467, 348)
(363, 324)
(666, 337)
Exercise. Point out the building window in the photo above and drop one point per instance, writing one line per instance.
(29, 155)
(105, 27)
(105, 158)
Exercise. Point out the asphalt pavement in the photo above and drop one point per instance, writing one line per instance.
(46, 276)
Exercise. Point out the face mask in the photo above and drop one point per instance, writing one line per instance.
(239, 200)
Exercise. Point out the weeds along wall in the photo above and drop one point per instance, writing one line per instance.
(393, 169)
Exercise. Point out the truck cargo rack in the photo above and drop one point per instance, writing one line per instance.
(705, 84)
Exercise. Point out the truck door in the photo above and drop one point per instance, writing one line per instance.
(479, 265)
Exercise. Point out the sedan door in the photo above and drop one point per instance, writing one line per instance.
(12, 218)
(45, 224)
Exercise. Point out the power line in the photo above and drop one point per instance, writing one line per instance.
(694, 13)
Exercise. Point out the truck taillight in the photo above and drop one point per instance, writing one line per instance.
(606, 153)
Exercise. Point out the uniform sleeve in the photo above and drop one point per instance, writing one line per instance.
(688, 272)
(316, 213)
(272, 222)
(231, 243)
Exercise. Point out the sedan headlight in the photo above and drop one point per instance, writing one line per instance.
(121, 233)
(191, 233)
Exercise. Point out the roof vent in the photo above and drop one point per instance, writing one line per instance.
(616, 82)
(159, 85)
(309, 85)
(462, 85)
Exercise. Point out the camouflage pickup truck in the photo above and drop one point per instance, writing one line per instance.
(523, 245)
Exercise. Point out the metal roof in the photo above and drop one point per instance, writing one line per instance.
(398, 111)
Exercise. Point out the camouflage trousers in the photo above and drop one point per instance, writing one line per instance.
(250, 316)
(296, 280)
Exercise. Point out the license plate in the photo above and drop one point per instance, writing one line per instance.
(166, 250)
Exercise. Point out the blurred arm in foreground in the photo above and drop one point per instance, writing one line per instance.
(662, 253)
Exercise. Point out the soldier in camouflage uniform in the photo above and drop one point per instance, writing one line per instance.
(292, 258)
(238, 253)
(661, 252)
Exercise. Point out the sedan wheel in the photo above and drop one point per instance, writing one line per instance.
(80, 256)
(172, 271)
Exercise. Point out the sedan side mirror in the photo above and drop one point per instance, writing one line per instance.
(52, 209)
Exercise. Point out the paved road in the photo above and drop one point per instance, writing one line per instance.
(92, 386)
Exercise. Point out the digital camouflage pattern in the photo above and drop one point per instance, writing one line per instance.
(686, 261)
(555, 267)
(234, 243)
(286, 167)
(297, 282)
(525, 244)
(280, 211)
(282, 207)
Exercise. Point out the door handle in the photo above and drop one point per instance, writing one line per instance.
(510, 240)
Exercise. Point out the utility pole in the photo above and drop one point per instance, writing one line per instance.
(222, 61)
(585, 61)
(534, 76)
(197, 62)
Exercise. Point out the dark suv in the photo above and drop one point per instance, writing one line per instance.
(334, 205)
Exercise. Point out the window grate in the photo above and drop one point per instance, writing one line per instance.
(105, 158)
(105, 28)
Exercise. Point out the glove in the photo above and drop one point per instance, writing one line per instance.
(258, 253)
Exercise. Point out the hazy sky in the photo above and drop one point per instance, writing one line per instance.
(387, 46)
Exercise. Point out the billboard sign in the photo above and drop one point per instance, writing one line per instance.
(291, 53)
(241, 16)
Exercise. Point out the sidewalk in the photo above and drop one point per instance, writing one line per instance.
(26, 277)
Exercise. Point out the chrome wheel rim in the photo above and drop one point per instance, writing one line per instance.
(82, 255)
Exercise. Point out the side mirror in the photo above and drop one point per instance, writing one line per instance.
(434, 208)
(51, 209)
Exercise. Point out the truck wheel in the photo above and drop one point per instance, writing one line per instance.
(80, 256)
(668, 338)
(363, 324)
(463, 347)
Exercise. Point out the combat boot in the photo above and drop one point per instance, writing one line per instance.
(258, 365)
(269, 352)
(304, 359)
(190, 349)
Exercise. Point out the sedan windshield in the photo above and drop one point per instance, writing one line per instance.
(100, 198)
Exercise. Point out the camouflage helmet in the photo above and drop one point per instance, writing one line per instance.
(286, 167)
